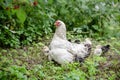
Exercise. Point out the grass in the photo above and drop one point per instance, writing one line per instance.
(29, 63)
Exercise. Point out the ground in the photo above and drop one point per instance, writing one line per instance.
(29, 63)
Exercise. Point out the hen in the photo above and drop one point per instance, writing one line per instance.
(61, 56)
(60, 41)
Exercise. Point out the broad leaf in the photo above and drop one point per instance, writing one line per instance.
(21, 15)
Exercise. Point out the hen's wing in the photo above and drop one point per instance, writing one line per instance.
(61, 56)
(77, 49)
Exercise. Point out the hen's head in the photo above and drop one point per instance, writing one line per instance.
(59, 23)
(60, 30)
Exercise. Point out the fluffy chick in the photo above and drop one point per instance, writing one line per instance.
(101, 50)
(98, 50)
(46, 50)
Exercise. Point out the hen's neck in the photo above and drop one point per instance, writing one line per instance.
(60, 32)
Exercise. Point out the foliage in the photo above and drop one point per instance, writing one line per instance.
(23, 22)
(29, 63)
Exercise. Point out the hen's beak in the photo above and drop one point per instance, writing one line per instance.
(56, 24)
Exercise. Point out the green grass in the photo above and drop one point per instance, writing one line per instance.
(29, 63)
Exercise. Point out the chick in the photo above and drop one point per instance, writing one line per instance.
(101, 50)
(98, 50)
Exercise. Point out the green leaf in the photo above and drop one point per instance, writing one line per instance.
(21, 15)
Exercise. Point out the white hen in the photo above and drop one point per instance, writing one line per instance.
(60, 41)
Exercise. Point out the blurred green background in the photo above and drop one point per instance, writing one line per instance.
(25, 21)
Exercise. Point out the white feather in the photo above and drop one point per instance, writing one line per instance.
(61, 56)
